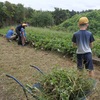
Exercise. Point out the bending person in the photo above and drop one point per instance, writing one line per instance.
(18, 31)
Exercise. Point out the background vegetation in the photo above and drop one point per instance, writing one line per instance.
(14, 14)
(61, 25)
(94, 21)
(53, 40)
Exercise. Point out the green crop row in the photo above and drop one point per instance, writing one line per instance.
(51, 40)
(57, 41)
(46, 39)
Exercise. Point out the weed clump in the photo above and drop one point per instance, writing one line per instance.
(63, 84)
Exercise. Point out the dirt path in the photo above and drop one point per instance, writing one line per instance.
(16, 60)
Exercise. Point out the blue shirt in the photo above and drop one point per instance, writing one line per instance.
(9, 33)
(83, 38)
(23, 31)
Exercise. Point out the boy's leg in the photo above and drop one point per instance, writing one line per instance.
(79, 62)
(91, 73)
(89, 64)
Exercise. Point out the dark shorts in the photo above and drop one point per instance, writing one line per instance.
(85, 59)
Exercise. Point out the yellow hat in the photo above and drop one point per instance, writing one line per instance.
(24, 24)
(12, 28)
(83, 20)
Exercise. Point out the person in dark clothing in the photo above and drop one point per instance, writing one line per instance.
(18, 31)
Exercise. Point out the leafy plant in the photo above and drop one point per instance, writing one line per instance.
(63, 84)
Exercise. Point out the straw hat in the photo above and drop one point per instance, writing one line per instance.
(24, 24)
(12, 28)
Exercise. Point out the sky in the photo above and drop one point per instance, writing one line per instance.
(49, 5)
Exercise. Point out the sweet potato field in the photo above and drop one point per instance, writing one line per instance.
(50, 40)
(57, 41)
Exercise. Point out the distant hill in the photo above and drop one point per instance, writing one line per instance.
(94, 22)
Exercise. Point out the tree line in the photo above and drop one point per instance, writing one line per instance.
(12, 14)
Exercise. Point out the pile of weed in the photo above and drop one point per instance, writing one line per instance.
(65, 85)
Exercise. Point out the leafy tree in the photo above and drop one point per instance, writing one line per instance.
(60, 15)
(72, 13)
(19, 13)
(41, 19)
(1, 14)
(9, 12)
(28, 14)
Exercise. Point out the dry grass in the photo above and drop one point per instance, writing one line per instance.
(16, 60)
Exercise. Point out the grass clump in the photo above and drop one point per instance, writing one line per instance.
(65, 85)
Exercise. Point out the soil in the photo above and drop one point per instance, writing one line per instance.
(16, 60)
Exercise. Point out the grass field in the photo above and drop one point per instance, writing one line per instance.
(16, 60)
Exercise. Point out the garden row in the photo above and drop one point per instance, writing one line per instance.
(47, 39)
(59, 41)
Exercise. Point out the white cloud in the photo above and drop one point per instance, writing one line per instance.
(77, 5)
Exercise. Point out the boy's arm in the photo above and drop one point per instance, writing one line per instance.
(74, 41)
(91, 41)
(74, 44)
(23, 35)
(22, 31)
(91, 45)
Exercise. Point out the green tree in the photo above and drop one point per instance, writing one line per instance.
(60, 15)
(9, 12)
(42, 19)
(1, 14)
(19, 13)
(28, 14)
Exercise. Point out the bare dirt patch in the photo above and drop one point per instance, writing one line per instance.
(16, 60)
